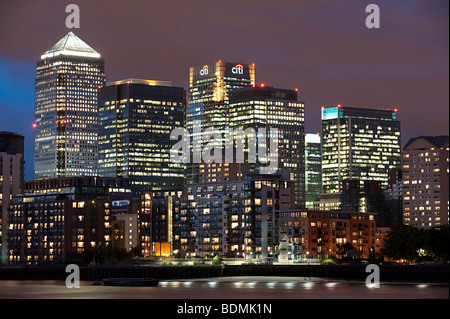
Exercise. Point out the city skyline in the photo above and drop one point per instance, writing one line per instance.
(403, 65)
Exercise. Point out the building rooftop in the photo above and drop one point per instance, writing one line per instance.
(436, 141)
(140, 81)
(72, 45)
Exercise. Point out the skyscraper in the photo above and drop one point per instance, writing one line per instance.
(11, 180)
(265, 108)
(67, 80)
(425, 161)
(313, 169)
(209, 88)
(135, 119)
(358, 144)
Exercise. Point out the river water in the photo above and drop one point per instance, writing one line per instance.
(225, 288)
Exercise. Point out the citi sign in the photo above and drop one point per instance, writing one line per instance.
(204, 70)
(238, 69)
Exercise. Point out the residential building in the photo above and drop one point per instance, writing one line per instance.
(322, 234)
(425, 181)
(159, 231)
(11, 181)
(59, 220)
(235, 218)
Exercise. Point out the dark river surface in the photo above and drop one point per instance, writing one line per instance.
(225, 288)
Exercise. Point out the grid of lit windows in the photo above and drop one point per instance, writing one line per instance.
(209, 90)
(425, 165)
(135, 121)
(66, 110)
(358, 144)
(265, 108)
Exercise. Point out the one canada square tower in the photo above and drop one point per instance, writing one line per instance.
(68, 77)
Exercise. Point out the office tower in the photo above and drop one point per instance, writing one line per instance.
(135, 119)
(209, 88)
(358, 144)
(313, 168)
(425, 181)
(11, 180)
(268, 108)
(67, 80)
(61, 220)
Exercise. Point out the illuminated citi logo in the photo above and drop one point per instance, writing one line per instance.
(238, 69)
(204, 70)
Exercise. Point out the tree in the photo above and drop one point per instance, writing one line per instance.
(217, 260)
(105, 254)
(437, 243)
(342, 249)
(414, 244)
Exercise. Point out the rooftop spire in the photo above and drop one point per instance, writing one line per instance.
(70, 44)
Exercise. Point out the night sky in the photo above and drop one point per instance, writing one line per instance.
(323, 48)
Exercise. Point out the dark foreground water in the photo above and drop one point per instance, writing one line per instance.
(226, 288)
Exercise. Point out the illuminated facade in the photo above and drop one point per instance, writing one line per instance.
(235, 219)
(358, 144)
(125, 223)
(11, 180)
(315, 234)
(264, 195)
(135, 119)
(313, 168)
(425, 168)
(67, 80)
(57, 220)
(220, 172)
(265, 108)
(209, 89)
(159, 231)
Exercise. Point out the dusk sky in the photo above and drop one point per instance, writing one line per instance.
(323, 48)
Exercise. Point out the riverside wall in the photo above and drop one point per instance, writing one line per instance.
(389, 273)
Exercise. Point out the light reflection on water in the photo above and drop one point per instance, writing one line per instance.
(226, 288)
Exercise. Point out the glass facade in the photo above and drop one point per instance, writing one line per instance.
(313, 169)
(67, 80)
(358, 144)
(209, 88)
(135, 121)
(266, 108)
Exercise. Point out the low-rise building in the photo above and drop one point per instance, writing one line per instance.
(58, 220)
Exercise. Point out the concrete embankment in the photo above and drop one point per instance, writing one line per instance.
(406, 273)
